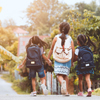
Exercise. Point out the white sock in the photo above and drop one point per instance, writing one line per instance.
(89, 89)
(43, 86)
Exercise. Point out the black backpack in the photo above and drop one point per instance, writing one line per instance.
(34, 57)
(85, 59)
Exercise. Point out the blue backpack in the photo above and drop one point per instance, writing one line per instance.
(34, 57)
(85, 59)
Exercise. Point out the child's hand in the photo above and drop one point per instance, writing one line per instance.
(49, 62)
(20, 66)
(72, 64)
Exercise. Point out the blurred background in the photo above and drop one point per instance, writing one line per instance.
(21, 19)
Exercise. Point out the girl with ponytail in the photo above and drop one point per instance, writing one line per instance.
(84, 43)
(63, 53)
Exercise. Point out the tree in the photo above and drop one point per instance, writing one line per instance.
(43, 14)
(98, 11)
(88, 25)
(82, 6)
(9, 23)
(13, 48)
(4, 34)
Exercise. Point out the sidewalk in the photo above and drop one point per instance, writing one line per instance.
(5, 88)
(49, 97)
(7, 93)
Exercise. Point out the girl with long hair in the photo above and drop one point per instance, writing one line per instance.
(61, 67)
(32, 73)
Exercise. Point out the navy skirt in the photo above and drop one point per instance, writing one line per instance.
(84, 72)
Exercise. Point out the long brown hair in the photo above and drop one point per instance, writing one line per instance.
(36, 40)
(64, 29)
(84, 40)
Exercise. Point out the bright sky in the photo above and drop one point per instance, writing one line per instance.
(13, 9)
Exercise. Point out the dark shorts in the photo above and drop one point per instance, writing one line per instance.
(40, 71)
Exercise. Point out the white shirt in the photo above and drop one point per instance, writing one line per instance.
(76, 51)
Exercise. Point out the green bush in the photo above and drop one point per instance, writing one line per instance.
(96, 92)
(22, 86)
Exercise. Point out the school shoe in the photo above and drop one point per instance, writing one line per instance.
(45, 91)
(80, 94)
(33, 93)
(63, 87)
(67, 95)
(89, 92)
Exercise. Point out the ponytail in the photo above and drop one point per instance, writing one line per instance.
(85, 40)
(64, 29)
(63, 37)
(90, 43)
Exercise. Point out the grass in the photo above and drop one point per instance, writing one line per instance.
(6, 77)
(18, 90)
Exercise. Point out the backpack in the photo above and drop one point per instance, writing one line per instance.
(63, 53)
(85, 59)
(34, 57)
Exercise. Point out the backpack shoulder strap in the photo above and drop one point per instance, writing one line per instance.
(86, 48)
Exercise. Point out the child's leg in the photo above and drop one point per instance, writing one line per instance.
(60, 78)
(33, 75)
(34, 87)
(80, 82)
(87, 78)
(67, 80)
(45, 91)
(43, 86)
(42, 80)
(45, 76)
(33, 84)
(80, 85)
(62, 82)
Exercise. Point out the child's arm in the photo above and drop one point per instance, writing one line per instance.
(76, 55)
(23, 63)
(51, 49)
(48, 60)
(75, 58)
(73, 51)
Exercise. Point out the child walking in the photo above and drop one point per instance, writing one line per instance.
(35, 40)
(63, 53)
(85, 66)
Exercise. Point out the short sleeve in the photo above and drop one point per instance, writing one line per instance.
(70, 39)
(42, 51)
(76, 51)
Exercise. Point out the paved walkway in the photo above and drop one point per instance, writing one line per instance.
(5, 88)
(7, 93)
(49, 97)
